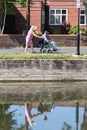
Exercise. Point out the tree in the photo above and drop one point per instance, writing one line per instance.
(6, 9)
(6, 120)
(3, 10)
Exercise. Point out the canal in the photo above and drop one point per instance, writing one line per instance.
(63, 104)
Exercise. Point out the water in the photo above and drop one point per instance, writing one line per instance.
(69, 98)
(12, 117)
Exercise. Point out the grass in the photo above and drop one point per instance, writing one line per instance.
(42, 56)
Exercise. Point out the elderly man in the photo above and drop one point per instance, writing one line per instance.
(46, 41)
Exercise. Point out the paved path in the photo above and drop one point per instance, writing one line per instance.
(62, 50)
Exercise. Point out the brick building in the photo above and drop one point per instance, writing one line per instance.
(60, 10)
(49, 14)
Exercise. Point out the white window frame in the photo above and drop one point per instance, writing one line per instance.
(84, 17)
(58, 15)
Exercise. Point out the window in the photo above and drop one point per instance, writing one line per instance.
(57, 16)
(82, 17)
(43, 17)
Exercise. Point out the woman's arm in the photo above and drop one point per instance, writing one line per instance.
(36, 35)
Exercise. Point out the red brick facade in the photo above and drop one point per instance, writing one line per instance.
(36, 14)
(38, 7)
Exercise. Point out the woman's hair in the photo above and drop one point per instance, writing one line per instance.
(33, 28)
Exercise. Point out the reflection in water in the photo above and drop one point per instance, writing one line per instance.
(33, 91)
(8, 117)
(77, 115)
(30, 117)
(12, 117)
(84, 124)
(43, 108)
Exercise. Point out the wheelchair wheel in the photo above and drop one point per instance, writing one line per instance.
(49, 50)
(44, 50)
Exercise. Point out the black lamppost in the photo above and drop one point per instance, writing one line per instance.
(46, 14)
(27, 15)
(78, 34)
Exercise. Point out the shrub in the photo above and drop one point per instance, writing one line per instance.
(74, 29)
(56, 32)
(65, 27)
(38, 33)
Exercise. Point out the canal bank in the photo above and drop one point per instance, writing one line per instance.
(43, 70)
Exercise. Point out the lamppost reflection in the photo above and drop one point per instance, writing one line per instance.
(77, 115)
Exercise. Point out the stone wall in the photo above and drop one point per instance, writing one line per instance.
(7, 40)
(47, 70)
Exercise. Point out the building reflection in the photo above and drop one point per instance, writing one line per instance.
(84, 124)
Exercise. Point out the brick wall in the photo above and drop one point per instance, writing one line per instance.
(7, 40)
(61, 40)
(35, 16)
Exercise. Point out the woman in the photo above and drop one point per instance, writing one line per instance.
(29, 37)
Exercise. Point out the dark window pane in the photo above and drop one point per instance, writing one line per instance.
(63, 11)
(82, 21)
(82, 11)
(63, 18)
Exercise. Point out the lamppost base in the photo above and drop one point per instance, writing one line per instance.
(77, 53)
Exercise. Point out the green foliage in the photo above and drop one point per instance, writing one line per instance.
(22, 2)
(1, 10)
(10, 9)
(6, 120)
(56, 32)
(66, 126)
(74, 29)
(45, 107)
(38, 32)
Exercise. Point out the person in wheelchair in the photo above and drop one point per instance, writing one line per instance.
(45, 41)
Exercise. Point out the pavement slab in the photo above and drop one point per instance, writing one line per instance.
(61, 50)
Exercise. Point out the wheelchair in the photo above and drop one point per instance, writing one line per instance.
(45, 47)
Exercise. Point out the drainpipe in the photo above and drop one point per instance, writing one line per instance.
(46, 14)
(27, 15)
